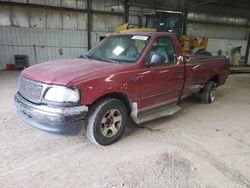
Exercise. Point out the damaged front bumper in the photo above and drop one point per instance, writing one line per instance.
(51, 118)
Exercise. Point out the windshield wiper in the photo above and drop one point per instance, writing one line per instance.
(104, 59)
(84, 56)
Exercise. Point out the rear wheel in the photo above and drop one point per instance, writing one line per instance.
(208, 93)
(106, 122)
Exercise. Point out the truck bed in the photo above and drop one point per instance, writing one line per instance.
(199, 69)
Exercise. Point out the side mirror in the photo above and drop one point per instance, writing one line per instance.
(156, 59)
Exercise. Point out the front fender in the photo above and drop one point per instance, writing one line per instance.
(94, 89)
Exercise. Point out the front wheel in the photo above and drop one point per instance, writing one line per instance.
(106, 122)
(208, 93)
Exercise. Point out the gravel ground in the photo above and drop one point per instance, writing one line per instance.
(200, 146)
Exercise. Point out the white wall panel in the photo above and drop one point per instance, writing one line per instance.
(69, 3)
(112, 22)
(37, 18)
(70, 20)
(114, 5)
(5, 15)
(44, 42)
(106, 23)
(81, 21)
(20, 17)
(116, 8)
(81, 4)
(45, 31)
(82, 39)
(54, 19)
(56, 3)
(99, 22)
(214, 45)
(217, 31)
(96, 5)
(39, 2)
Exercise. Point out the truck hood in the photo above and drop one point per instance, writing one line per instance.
(64, 71)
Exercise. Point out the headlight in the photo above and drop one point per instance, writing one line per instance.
(62, 94)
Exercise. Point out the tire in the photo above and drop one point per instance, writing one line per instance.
(106, 122)
(208, 93)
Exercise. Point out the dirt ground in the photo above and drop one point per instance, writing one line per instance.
(200, 146)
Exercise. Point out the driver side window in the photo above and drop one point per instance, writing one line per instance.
(164, 47)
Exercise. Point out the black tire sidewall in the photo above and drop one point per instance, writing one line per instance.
(206, 93)
(112, 104)
(210, 90)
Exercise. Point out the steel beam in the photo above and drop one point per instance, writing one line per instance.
(248, 45)
(89, 22)
(184, 32)
(60, 8)
(126, 11)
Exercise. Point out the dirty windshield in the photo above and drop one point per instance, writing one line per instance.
(119, 49)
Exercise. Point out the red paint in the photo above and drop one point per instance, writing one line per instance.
(156, 84)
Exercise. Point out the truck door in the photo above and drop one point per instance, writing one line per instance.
(161, 84)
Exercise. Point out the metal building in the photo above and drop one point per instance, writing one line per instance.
(46, 30)
(136, 111)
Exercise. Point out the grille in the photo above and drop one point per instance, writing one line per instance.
(30, 89)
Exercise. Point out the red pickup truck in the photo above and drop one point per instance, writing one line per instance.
(141, 76)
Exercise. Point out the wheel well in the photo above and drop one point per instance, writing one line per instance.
(122, 97)
(215, 79)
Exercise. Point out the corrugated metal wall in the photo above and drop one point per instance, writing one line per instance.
(224, 32)
(40, 44)
(43, 33)
(217, 31)
(225, 45)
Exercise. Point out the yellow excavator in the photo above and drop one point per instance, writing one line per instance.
(168, 21)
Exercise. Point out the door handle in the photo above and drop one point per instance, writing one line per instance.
(134, 79)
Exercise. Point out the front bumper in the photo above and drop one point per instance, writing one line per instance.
(65, 120)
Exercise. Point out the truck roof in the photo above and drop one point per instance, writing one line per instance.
(145, 33)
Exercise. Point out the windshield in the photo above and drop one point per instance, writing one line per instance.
(166, 22)
(119, 48)
(151, 21)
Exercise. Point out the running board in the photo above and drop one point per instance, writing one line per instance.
(157, 113)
